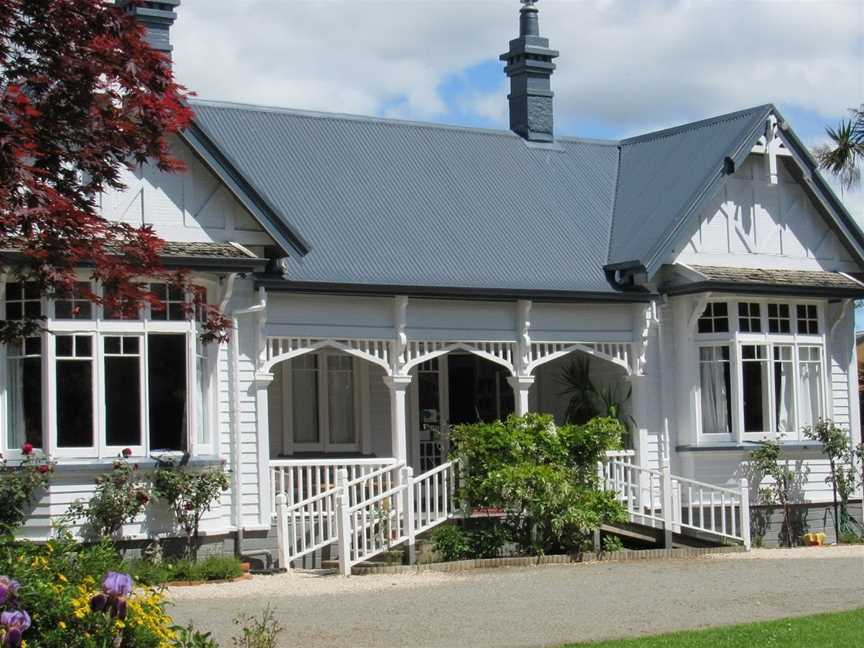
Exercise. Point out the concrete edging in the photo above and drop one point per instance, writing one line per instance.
(625, 555)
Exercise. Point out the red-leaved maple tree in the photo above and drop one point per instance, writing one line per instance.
(82, 96)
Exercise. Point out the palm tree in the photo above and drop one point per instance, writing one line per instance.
(845, 155)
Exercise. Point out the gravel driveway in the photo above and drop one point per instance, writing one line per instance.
(541, 606)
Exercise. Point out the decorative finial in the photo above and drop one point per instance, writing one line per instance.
(529, 4)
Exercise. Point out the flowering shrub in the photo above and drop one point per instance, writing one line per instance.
(19, 484)
(119, 497)
(57, 595)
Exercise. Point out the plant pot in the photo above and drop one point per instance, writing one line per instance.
(245, 567)
(814, 539)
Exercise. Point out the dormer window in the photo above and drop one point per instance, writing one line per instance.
(715, 319)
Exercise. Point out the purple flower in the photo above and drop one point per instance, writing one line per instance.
(15, 623)
(115, 588)
(8, 590)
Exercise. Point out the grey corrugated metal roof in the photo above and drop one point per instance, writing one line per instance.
(387, 203)
(663, 175)
(398, 203)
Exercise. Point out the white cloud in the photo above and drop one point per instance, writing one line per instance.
(631, 64)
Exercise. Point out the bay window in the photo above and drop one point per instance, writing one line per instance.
(94, 383)
(762, 373)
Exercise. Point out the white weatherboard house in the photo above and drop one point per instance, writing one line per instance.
(390, 279)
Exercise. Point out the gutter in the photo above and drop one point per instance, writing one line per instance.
(438, 292)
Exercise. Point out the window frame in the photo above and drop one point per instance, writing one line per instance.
(737, 339)
(99, 328)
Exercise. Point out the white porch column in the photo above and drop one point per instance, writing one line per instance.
(262, 433)
(521, 388)
(398, 386)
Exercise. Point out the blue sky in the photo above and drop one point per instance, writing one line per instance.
(626, 66)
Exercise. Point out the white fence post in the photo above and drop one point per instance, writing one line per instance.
(745, 513)
(406, 479)
(343, 522)
(282, 531)
(602, 482)
(667, 503)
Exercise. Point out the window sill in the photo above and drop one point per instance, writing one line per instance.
(747, 446)
(73, 465)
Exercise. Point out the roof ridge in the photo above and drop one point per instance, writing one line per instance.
(702, 123)
(387, 121)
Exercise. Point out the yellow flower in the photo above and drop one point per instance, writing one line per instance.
(62, 625)
(62, 578)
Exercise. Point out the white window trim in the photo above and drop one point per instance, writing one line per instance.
(100, 328)
(736, 340)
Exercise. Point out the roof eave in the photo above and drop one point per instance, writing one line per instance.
(763, 289)
(278, 284)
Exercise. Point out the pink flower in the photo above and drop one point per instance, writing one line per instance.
(27, 448)
(127, 452)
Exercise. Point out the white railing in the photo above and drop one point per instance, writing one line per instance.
(433, 500)
(306, 526)
(658, 498)
(300, 479)
(367, 515)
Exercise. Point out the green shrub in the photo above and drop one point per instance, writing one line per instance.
(210, 569)
(612, 543)
(542, 475)
(451, 542)
(189, 637)
(487, 538)
(218, 568)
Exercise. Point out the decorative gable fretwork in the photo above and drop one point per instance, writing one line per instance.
(418, 352)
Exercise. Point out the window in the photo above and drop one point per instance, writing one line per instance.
(173, 307)
(771, 372)
(754, 380)
(123, 395)
(779, 319)
(123, 310)
(810, 384)
(715, 319)
(74, 380)
(23, 300)
(784, 390)
(166, 366)
(304, 399)
(24, 393)
(716, 396)
(74, 305)
(749, 317)
(323, 402)
(808, 319)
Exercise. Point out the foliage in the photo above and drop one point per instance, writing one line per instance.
(210, 569)
(189, 637)
(190, 494)
(588, 400)
(60, 579)
(451, 542)
(843, 157)
(257, 632)
(839, 629)
(843, 478)
(612, 543)
(82, 96)
(543, 476)
(119, 497)
(487, 538)
(19, 485)
(767, 460)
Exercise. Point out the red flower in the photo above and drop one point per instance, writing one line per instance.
(43, 468)
(127, 452)
(190, 506)
(143, 498)
(27, 448)
(135, 466)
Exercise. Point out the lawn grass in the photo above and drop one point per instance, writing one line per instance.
(840, 630)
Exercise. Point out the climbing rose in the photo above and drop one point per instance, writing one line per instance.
(44, 468)
(127, 452)
(15, 622)
(27, 448)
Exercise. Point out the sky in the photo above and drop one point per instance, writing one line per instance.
(626, 66)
